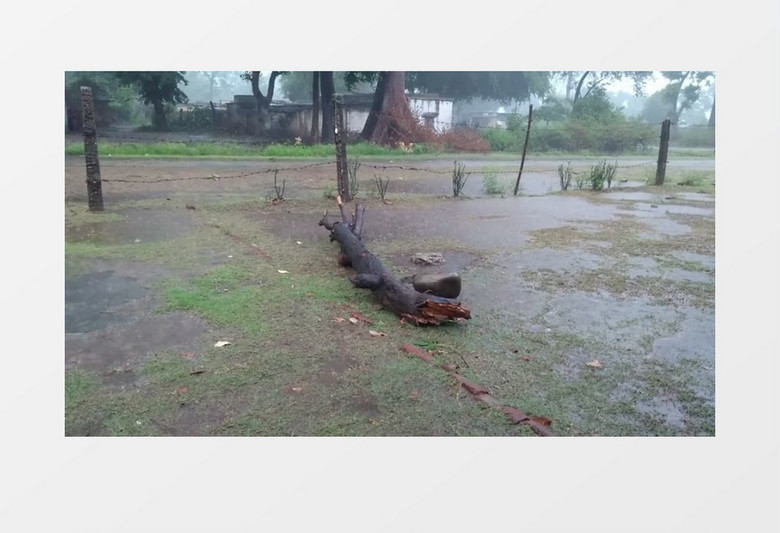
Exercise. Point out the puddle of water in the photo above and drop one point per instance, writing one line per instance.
(696, 339)
(97, 300)
(139, 225)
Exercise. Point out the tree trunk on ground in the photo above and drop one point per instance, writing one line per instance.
(402, 299)
(328, 91)
(711, 122)
(160, 122)
(315, 107)
(395, 122)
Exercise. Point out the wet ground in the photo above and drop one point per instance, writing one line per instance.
(510, 272)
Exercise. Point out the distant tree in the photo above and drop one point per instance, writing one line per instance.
(553, 110)
(505, 87)
(595, 107)
(263, 100)
(390, 119)
(214, 85)
(297, 86)
(601, 78)
(684, 89)
(157, 89)
(118, 101)
(327, 92)
(655, 109)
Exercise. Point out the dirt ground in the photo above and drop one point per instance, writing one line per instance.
(188, 252)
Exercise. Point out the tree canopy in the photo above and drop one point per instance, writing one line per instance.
(505, 87)
(156, 88)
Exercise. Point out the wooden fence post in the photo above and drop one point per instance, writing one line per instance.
(525, 147)
(94, 185)
(341, 152)
(663, 152)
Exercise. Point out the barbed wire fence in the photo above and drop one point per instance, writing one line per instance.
(94, 178)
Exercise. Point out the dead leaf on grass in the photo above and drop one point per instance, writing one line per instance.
(353, 320)
(196, 372)
(339, 319)
(425, 356)
(594, 364)
(526, 358)
(187, 355)
(182, 390)
(282, 272)
(362, 318)
(413, 396)
(377, 333)
(220, 344)
(296, 389)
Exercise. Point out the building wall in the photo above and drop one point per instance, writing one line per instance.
(442, 106)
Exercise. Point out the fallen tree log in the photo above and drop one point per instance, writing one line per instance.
(404, 300)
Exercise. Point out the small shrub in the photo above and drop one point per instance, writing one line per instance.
(459, 177)
(276, 191)
(693, 178)
(492, 184)
(600, 173)
(330, 192)
(565, 175)
(352, 171)
(381, 186)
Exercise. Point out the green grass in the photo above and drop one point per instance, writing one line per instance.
(227, 149)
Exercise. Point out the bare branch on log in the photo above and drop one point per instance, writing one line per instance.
(402, 299)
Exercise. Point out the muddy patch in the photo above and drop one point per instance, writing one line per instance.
(100, 299)
(694, 340)
(118, 352)
(139, 225)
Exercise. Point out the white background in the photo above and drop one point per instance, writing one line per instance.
(725, 483)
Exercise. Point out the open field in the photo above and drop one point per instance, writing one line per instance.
(187, 254)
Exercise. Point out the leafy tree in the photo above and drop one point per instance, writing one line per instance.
(263, 100)
(505, 87)
(157, 89)
(596, 78)
(596, 107)
(553, 110)
(118, 100)
(684, 89)
(390, 119)
(214, 85)
(655, 109)
(297, 86)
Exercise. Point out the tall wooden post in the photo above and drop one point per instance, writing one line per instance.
(342, 179)
(525, 147)
(94, 185)
(663, 152)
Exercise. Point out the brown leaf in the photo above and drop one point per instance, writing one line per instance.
(362, 318)
(473, 388)
(377, 333)
(425, 356)
(413, 396)
(450, 368)
(540, 420)
(526, 358)
(339, 319)
(353, 320)
(187, 355)
(182, 390)
(296, 389)
(594, 364)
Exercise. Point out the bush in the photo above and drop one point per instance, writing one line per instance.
(492, 184)
(694, 137)
(502, 140)
(600, 173)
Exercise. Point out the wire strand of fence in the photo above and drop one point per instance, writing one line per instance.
(215, 177)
